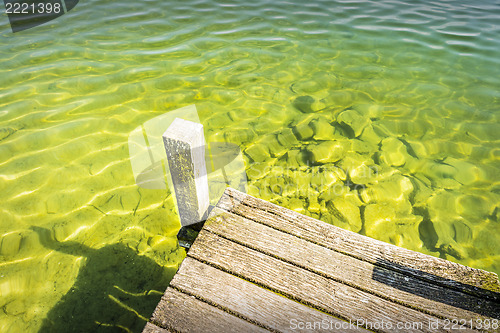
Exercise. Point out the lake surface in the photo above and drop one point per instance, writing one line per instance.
(381, 117)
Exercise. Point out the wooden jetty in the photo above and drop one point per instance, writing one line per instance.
(258, 267)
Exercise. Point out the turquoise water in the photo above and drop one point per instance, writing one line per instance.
(380, 117)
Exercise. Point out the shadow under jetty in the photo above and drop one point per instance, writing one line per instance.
(115, 291)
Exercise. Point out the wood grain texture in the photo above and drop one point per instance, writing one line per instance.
(404, 289)
(309, 288)
(435, 270)
(185, 147)
(183, 313)
(151, 328)
(249, 301)
(256, 266)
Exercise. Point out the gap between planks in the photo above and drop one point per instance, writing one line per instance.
(243, 229)
(180, 312)
(424, 267)
(311, 289)
(407, 290)
(247, 300)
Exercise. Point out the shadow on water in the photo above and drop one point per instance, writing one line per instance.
(116, 290)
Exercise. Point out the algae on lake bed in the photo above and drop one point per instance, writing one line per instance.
(381, 118)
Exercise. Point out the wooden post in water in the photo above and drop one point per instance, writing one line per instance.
(185, 147)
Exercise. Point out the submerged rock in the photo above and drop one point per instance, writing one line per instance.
(380, 219)
(15, 308)
(306, 87)
(454, 237)
(384, 222)
(257, 152)
(415, 128)
(259, 170)
(304, 103)
(303, 131)
(266, 193)
(328, 151)
(466, 173)
(336, 190)
(313, 205)
(422, 191)
(239, 136)
(441, 174)
(370, 110)
(370, 135)
(358, 166)
(346, 214)
(297, 205)
(322, 130)
(354, 121)
(396, 188)
(487, 241)
(418, 148)
(324, 178)
(11, 243)
(362, 174)
(476, 206)
(275, 148)
(393, 152)
(265, 127)
(286, 138)
(303, 182)
(363, 147)
(442, 148)
(452, 229)
(294, 158)
(340, 99)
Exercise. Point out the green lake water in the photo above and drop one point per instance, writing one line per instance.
(381, 117)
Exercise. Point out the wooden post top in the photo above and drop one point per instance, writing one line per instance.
(185, 130)
(185, 147)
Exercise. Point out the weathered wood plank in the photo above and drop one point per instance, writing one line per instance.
(150, 328)
(250, 301)
(185, 147)
(404, 289)
(309, 288)
(435, 270)
(183, 313)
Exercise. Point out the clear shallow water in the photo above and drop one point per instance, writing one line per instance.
(380, 117)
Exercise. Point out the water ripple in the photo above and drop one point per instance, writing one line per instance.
(71, 91)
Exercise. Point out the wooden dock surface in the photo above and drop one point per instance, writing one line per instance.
(258, 267)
